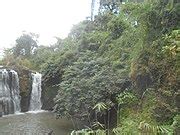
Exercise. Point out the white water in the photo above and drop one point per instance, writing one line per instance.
(15, 91)
(35, 100)
(9, 92)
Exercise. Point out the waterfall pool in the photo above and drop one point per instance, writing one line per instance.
(32, 123)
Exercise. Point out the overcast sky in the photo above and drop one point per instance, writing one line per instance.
(48, 18)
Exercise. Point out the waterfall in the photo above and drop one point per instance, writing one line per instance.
(35, 100)
(15, 90)
(9, 92)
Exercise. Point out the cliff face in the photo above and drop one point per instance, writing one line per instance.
(25, 83)
(48, 95)
(49, 89)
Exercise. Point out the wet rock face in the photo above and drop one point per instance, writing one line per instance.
(50, 89)
(48, 95)
(25, 83)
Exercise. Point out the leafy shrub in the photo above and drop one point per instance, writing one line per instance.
(176, 124)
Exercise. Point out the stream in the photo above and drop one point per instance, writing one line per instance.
(40, 123)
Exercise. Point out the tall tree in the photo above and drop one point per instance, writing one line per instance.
(111, 5)
(25, 45)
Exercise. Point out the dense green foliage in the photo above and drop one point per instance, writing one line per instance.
(127, 61)
(25, 45)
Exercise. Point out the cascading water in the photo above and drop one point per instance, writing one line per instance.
(15, 90)
(9, 92)
(35, 101)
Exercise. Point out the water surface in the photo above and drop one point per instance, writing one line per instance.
(34, 124)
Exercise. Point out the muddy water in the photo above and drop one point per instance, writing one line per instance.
(34, 124)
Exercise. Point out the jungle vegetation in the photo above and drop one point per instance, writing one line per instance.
(119, 71)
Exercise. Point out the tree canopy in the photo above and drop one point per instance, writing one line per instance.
(127, 61)
(25, 45)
